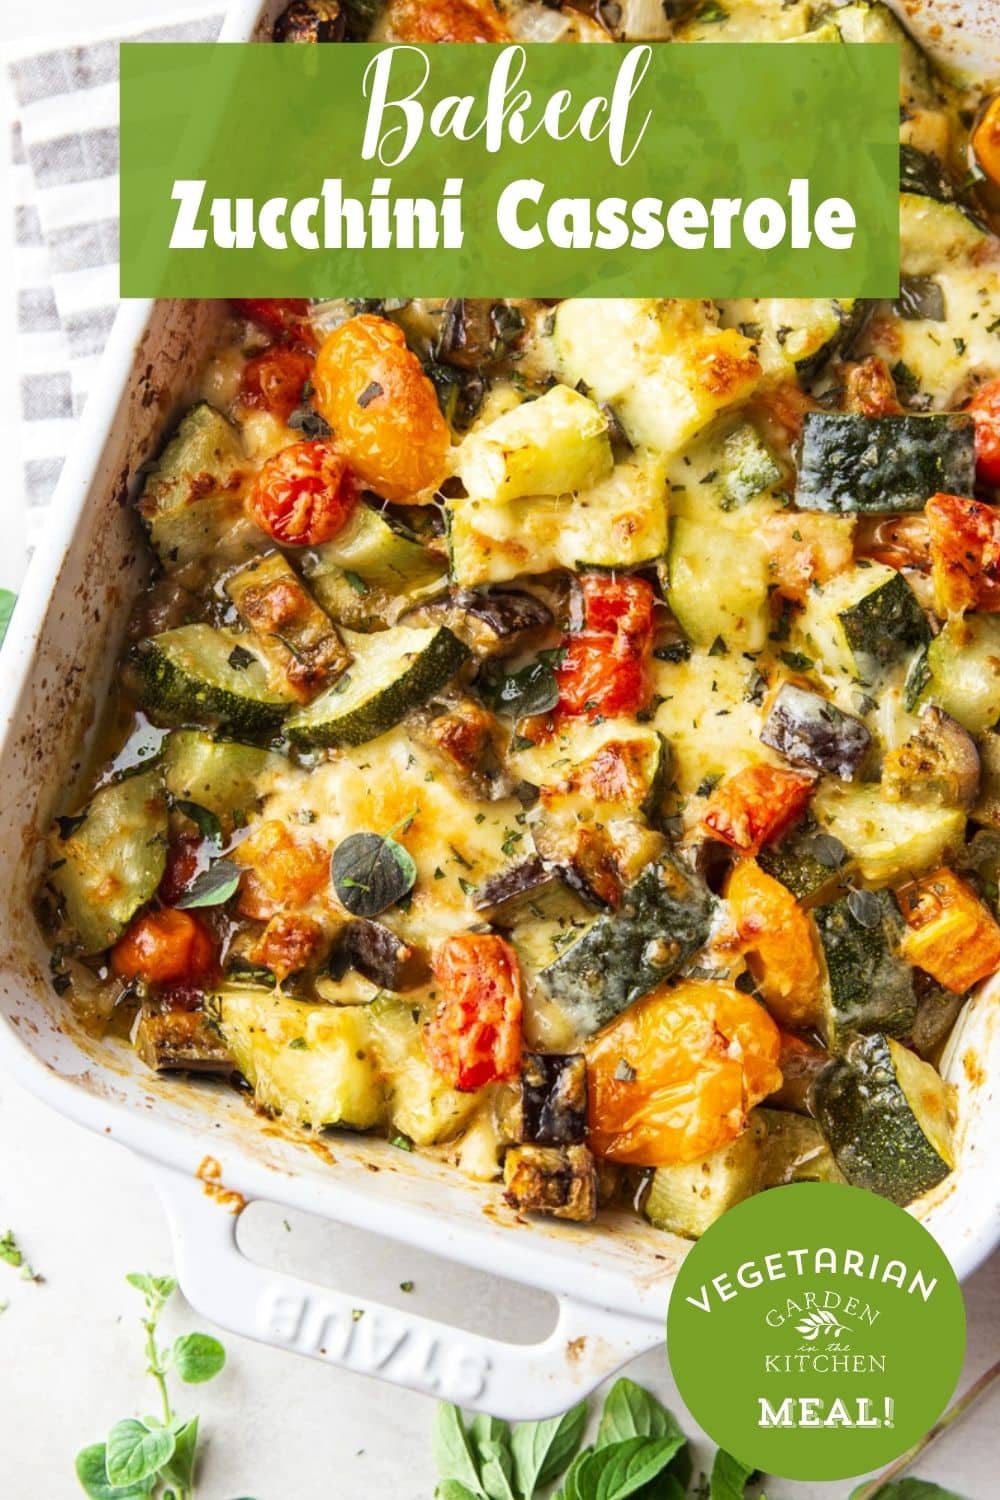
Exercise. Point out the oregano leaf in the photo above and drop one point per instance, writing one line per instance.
(92, 1472)
(371, 872)
(198, 1357)
(542, 1451)
(213, 887)
(134, 1452)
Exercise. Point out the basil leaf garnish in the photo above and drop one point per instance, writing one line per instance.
(371, 872)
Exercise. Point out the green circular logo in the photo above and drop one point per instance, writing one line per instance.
(817, 1331)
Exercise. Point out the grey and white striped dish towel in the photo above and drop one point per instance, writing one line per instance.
(64, 148)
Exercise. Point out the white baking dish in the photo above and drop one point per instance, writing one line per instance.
(612, 1281)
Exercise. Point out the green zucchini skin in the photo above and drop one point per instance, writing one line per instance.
(886, 624)
(328, 721)
(881, 465)
(793, 860)
(192, 503)
(664, 918)
(876, 1136)
(187, 678)
(868, 988)
(108, 863)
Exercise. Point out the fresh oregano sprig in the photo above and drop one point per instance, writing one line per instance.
(639, 1451)
(154, 1458)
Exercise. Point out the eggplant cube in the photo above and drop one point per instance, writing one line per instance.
(554, 1099)
(181, 1041)
(379, 955)
(808, 730)
(557, 1180)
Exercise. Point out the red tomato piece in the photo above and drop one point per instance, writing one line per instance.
(165, 947)
(985, 409)
(965, 553)
(273, 381)
(444, 21)
(606, 669)
(474, 1037)
(183, 864)
(303, 495)
(755, 806)
(287, 317)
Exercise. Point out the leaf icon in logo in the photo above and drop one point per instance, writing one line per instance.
(820, 1322)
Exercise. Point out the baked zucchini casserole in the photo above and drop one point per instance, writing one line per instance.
(563, 736)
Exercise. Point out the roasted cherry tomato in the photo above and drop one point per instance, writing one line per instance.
(165, 947)
(606, 669)
(273, 381)
(776, 936)
(282, 872)
(676, 1074)
(965, 553)
(985, 409)
(183, 864)
(383, 409)
(755, 806)
(474, 1036)
(444, 21)
(303, 494)
(287, 317)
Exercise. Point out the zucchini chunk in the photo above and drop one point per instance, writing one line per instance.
(794, 1150)
(687, 1197)
(553, 1108)
(295, 635)
(718, 584)
(808, 730)
(192, 501)
(661, 364)
(962, 672)
(868, 985)
(108, 862)
(557, 1180)
(665, 916)
(393, 672)
(420, 1104)
(312, 1064)
(798, 334)
(181, 1041)
(553, 446)
(887, 840)
(619, 522)
(196, 674)
(885, 1113)
(372, 571)
(806, 860)
(879, 465)
(861, 622)
(221, 775)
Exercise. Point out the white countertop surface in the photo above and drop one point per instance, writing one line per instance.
(277, 1425)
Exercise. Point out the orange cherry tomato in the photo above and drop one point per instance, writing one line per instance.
(985, 410)
(383, 409)
(273, 380)
(777, 937)
(303, 495)
(444, 21)
(287, 317)
(474, 1036)
(606, 669)
(755, 806)
(165, 947)
(986, 140)
(951, 934)
(675, 1075)
(965, 553)
(282, 872)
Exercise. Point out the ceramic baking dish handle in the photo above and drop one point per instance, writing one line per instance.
(515, 1381)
